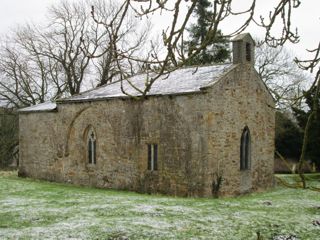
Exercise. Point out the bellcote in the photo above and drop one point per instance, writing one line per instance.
(243, 49)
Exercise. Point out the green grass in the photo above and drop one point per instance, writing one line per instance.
(32, 209)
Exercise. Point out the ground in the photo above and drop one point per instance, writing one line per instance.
(33, 209)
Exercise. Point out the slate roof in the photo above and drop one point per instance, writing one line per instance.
(180, 81)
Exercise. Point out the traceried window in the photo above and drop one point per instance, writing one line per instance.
(245, 149)
(152, 157)
(91, 141)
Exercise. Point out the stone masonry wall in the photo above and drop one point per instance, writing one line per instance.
(57, 150)
(198, 135)
(244, 101)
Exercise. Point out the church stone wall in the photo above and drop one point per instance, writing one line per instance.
(57, 150)
(198, 137)
(243, 101)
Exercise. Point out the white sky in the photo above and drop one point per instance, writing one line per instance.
(306, 18)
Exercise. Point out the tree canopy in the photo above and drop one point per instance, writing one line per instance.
(288, 136)
(217, 50)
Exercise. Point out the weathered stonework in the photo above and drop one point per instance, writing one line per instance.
(198, 135)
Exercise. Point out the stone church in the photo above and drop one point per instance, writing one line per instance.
(200, 131)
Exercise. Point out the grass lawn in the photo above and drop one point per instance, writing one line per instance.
(31, 209)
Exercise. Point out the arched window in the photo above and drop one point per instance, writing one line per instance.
(245, 149)
(91, 151)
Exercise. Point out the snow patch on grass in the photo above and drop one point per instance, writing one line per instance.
(40, 210)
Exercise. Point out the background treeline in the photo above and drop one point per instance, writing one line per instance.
(9, 139)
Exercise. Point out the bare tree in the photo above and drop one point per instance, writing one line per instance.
(39, 63)
(173, 36)
(69, 22)
(284, 78)
(121, 38)
(310, 65)
(26, 78)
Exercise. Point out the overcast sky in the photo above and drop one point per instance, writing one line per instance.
(307, 19)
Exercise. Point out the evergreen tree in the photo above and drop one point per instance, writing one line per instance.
(218, 50)
(288, 136)
(8, 136)
(313, 146)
